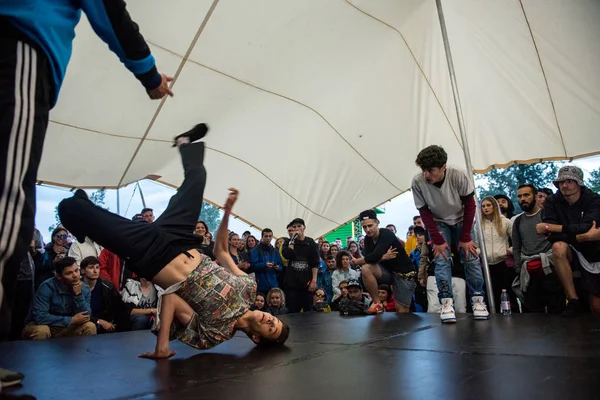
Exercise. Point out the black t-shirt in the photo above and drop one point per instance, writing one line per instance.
(374, 251)
(301, 260)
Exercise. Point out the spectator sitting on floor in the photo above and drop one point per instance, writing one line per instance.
(141, 297)
(108, 310)
(54, 251)
(567, 218)
(357, 303)
(536, 284)
(61, 306)
(343, 271)
(415, 255)
(324, 279)
(335, 303)
(276, 302)
(320, 301)
(260, 303)
(387, 298)
(542, 194)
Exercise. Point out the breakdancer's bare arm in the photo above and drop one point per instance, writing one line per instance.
(221, 250)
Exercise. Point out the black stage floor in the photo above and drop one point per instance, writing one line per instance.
(328, 357)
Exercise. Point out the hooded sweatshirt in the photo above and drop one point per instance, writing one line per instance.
(496, 245)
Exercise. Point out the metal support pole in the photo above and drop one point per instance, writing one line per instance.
(118, 203)
(141, 195)
(467, 154)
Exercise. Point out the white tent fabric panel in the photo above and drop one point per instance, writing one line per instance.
(318, 108)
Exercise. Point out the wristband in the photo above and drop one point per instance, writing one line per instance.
(227, 212)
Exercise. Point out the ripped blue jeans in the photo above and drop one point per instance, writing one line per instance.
(443, 267)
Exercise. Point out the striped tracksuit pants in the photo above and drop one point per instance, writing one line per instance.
(25, 95)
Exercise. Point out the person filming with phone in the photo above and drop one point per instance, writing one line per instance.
(62, 305)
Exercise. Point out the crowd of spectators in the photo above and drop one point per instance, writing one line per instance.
(547, 258)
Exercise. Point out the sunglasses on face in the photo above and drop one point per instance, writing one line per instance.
(319, 295)
(61, 236)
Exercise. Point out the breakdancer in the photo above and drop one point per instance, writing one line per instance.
(203, 304)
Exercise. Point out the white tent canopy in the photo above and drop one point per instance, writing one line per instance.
(318, 108)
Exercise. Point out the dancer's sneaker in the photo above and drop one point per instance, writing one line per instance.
(194, 134)
(376, 308)
(447, 315)
(572, 309)
(480, 310)
(10, 378)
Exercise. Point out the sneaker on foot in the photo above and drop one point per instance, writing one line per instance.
(572, 309)
(376, 308)
(196, 133)
(448, 315)
(480, 310)
(10, 378)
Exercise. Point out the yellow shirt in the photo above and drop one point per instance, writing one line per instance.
(411, 244)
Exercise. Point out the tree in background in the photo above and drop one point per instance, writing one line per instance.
(97, 198)
(211, 215)
(507, 180)
(594, 182)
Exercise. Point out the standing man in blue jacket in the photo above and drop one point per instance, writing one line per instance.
(35, 47)
(265, 262)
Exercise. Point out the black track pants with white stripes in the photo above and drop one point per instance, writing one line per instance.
(25, 96)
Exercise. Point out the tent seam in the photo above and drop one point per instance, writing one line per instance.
(291, 100)
(537, 52)
(416, 62)
(164, 99)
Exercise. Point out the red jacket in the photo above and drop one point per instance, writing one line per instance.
(110, 267)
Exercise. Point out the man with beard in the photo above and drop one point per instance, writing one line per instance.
(569, 216)
(536, 284)
(507, 208)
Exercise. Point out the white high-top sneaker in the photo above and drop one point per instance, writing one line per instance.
(480, 310)
(447, 315)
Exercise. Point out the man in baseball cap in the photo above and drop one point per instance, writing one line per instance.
(384, 262)
(569, 221)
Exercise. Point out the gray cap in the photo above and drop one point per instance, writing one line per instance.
(569, 172)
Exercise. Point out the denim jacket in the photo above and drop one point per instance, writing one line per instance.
(54, 305)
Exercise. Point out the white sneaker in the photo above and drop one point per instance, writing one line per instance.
(447, 315)
(480, 310)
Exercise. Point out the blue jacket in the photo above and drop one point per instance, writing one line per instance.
(266, 277)
(50, 24)
(54, 305)
(324, 282)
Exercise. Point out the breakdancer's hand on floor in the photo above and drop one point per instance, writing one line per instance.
(158, 354)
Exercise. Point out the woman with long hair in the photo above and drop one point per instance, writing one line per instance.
(207, 246)
(334, 249)
(497, 230)
(354, 250)
(276, 302)
(343, 272)
(251, 243)
(239, 258)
